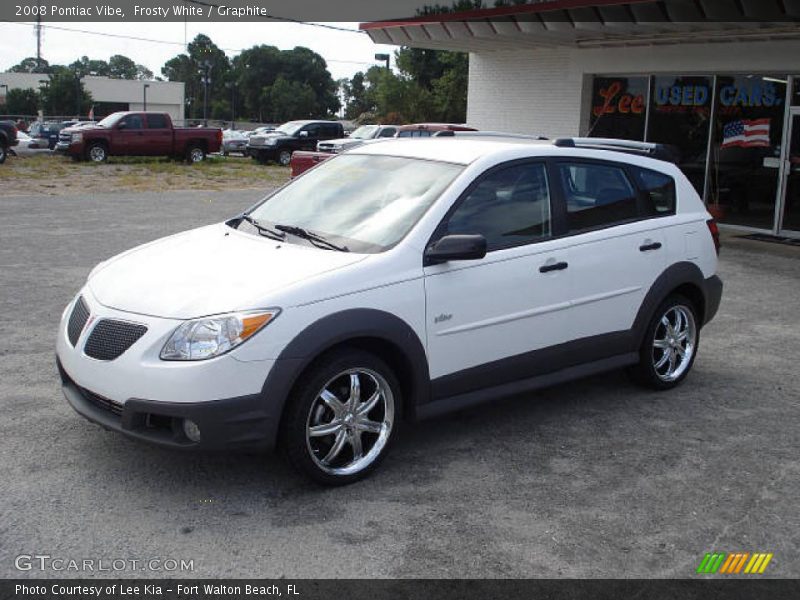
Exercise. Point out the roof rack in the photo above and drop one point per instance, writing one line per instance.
(491, 134)
(658, 151)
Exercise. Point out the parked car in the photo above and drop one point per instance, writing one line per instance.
(405, 279)
(139, 134)
(429, 129)
(27, 146)
(47, 132)
(234, 141)
(8, 138)
(278, 145)
(301, 161)
(359, 136)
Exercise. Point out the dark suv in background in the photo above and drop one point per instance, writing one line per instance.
(8, 138)
(278, 145)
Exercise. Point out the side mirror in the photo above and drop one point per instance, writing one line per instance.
(456, 247)
(303, 134)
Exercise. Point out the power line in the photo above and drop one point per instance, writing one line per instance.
(154, 41)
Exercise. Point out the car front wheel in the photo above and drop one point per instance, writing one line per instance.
(342, 418)
(670, 345)
(284, 158)
(195, 154)
(97, 153)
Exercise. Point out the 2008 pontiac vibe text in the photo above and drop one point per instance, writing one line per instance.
(397, 281)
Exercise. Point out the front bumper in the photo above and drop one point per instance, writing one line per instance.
(263, 152)
(145, 398)
(229, 424)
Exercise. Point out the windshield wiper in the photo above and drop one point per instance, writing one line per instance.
(263, 229)
(316, 239)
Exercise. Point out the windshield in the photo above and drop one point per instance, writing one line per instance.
(290, 128)
(365, 202)
(365, 132)
(111, 120)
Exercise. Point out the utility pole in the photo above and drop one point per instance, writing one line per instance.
(38, 31)
(77, 95)
(144, 99)
(206, 73)
(232, 87)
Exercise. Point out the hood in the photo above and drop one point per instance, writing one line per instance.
(208, 271)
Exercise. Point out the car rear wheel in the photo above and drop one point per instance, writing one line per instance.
(342, 418)
(3, 153)
(670, 345)
(195, 154)
(97, 153)
(284, 158)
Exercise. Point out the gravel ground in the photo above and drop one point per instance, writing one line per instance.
(592, 479)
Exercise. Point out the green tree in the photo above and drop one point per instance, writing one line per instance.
(190, 68)
(22, 102)
(143, 72)
(121, 67)
(86, 66)
(61, 95)
(290, 100)
(30, 65)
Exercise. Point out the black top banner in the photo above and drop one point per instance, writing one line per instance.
(568, 11)
(406, 589)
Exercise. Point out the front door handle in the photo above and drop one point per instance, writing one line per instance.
(559, 266)
(651, 246)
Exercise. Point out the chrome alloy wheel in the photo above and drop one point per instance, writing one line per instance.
(196, 155)
(674, 343)
(97, 153)
(350, 421)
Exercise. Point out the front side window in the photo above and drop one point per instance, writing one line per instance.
(388, 132)
(509, 207)
(365, 132)
(133, 122)
(365, 202)
(596, 195)
(156, 122)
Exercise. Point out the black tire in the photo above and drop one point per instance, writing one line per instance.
(97, 152)
(305, 405)
(195, 154)
(3, 153)
(284, 158)
(647, 372)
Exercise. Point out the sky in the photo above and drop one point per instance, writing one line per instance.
(346, 53)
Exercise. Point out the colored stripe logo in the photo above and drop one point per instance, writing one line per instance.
(734, 563)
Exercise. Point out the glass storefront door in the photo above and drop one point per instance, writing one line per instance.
(746, 149)
(791, 187)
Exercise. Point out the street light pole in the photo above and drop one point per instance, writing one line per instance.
(77, 95)
(144, 99)
(384, 57)
(206, 82)
(232, 87)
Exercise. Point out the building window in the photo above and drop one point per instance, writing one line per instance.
(619, 106)
(746, 149)
(680, 115)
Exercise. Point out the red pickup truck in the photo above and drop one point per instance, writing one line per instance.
(138, 134)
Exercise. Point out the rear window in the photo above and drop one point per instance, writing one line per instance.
(597, 195)
(157, 122)
(659, 191)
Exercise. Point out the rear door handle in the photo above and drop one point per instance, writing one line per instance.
(651, 246)
(559, 266)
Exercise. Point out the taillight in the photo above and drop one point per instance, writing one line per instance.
(219, 135)
(712, 227)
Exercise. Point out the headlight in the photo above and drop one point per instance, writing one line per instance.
(208, 337)
(77, 137)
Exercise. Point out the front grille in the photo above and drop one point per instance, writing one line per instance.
(257, 141)
(64, 137)
(77, 321)
(102, 402)
(110, 338)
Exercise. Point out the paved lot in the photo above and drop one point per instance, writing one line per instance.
(591, 479)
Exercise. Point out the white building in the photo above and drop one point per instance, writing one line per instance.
(111, 95)
(718, 79)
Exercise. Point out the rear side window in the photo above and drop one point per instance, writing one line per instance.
(597, 195)
(133, 122)
(387, 132)
(509, 207)
(157, 122)
(659, 191)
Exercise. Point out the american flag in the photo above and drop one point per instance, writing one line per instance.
(746, 133)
